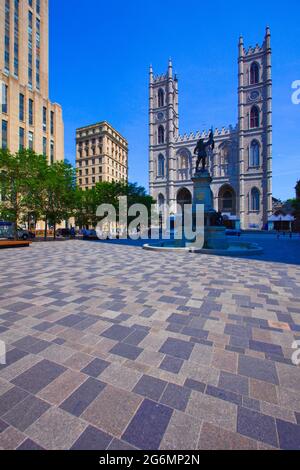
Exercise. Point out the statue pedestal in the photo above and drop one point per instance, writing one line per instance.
(202, 190)
(214, 235)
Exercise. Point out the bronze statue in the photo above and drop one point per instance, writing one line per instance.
(200, 150)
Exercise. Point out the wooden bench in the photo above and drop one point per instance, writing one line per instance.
(14, 243)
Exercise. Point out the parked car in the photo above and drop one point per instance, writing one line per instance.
(233, 232)
(89, 234)
(6, 231)
(24, 234)
(63, 232)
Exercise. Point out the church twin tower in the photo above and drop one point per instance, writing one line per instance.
(241, 164)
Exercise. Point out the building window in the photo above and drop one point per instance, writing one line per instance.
(30, 62)
(86, 181)
(16, 38)
(38, 7)
(254, 154)
(161, 166)
(161, 98)
(30, 3)
(4, 134)
(7, 35)
(44, 146)
(52, 152)
(52, 123)
(4, 98)
(255, 203)
(44, 118)
(30, 112)
(21, 107)
(161, 135)
(21, 138)
(30, 140)
(254, 117)
(38, 52)
(254, 73)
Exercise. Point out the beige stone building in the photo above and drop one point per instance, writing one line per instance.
(101, 155)
(27, 117)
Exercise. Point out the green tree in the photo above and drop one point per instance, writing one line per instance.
(108, 193)
(55, 194)
(18, 171)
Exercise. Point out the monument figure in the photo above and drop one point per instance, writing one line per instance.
(201, 152)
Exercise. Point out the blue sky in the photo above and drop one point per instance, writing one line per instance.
(100, 54)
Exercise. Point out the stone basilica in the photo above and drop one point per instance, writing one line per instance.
(241, 163)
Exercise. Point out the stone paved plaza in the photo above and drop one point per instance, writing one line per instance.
(112, 347)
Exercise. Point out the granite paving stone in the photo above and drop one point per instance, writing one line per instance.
(176, 397)
(234, 383)
(81, 398)
(213, 410)
(213, 437)
(258, 369)
(26, 412)
(126, 350)
(150, 387)
(38, 376)
(56, 430)
(263, 391)
(112, 410)
(96, 367)
(148, 425)
(29, 445)
(11, 398)
(92, 439)
(182, 432)
(171, 364)
(257, 426)
(177, 348)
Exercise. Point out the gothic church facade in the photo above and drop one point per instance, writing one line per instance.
(241, 163)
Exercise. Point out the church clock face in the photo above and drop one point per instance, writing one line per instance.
(254, 95)
(160, 116)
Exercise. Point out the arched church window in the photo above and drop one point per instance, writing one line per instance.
(161, 135)
(254, 154)
(254, 117)
(255, 202)
(161, 201)
(227, 200)
(183, 162)
(161, 98)
(254, 73)
(161, 166)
